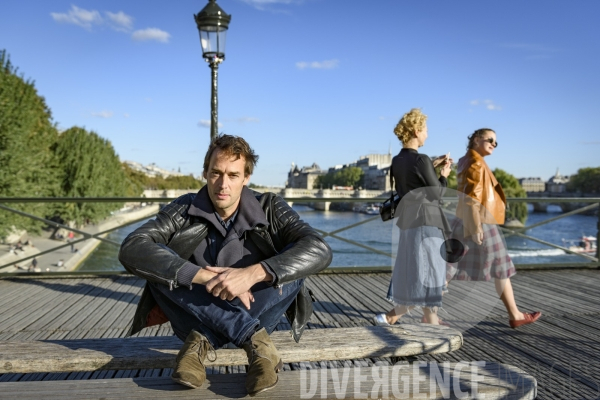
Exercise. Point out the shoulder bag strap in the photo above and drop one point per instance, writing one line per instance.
(392, 191)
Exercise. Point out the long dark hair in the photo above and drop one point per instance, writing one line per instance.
(477, 134)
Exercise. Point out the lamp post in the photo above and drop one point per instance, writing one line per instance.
(212, 24)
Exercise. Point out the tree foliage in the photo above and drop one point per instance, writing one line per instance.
(27, 165)
(89, 167)
(452, 181)
(512, 188)
(350, 176)
(586, 180)
(37, 161)
(175, 182)
(138, 182)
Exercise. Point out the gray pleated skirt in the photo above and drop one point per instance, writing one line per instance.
(419, 274)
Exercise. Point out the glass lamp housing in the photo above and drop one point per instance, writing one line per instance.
(212, 24)
(213, 42)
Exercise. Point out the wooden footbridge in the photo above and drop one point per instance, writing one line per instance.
(64, 336)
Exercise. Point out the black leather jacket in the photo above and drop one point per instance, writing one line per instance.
(159, 248)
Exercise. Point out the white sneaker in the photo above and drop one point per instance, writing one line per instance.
(380, 319)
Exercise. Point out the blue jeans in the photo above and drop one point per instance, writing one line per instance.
(223, 321)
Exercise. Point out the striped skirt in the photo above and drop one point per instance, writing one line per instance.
(481, 262)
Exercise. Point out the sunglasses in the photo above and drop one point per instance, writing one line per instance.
(491, 141)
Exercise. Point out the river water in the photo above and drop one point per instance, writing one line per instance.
(381, 236)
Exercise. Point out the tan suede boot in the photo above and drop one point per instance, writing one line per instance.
(264, 363)
(189, 370)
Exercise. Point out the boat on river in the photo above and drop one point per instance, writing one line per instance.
(372, 210)
(585, 245)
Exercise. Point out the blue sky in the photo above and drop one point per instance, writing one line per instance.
(320, 81)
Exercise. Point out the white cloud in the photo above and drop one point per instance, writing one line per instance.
(488, 104)
(103, 114)
(205, 123)
(264, 4)
(126, 115)
(327, 64)
(120, 21)
(79, 16)
(151, 34)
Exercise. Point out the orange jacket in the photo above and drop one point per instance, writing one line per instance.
(481, 199)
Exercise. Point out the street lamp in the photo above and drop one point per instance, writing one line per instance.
(213, 24)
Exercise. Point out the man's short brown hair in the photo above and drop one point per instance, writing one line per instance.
(232, 146)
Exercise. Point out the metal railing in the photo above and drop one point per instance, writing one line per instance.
(591, 261)
(595, 204)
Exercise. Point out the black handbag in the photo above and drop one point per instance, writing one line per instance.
(389, 206)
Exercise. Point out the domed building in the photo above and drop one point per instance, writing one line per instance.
(558, 183)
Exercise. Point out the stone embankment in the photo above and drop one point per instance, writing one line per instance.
(65, 259)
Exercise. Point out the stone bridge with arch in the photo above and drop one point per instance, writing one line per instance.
(565, 206)
(304, 196)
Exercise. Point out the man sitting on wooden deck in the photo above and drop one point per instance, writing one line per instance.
(223, 265)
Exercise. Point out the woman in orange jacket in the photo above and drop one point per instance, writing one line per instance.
(481, 208)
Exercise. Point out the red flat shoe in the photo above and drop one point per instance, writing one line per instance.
(424, 321)
(530, 318)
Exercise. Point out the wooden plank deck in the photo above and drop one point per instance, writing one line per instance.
(560, 351)
(494, 381)
(160, 351)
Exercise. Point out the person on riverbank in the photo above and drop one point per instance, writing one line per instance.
(418, 278)
(481, 208)
(33, 267)
(224, 265)
(70, 238)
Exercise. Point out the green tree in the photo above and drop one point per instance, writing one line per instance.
(89, 167)
(586, 180)
(452, 182)
(180, 182)
(136, 181)
(27, 133)
(350, 176)
(512, 188)
(324, 181)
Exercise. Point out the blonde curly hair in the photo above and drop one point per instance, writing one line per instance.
(413, 121)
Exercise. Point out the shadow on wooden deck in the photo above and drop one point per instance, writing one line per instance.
(560, 351)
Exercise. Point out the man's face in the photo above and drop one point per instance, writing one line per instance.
(225, 180)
